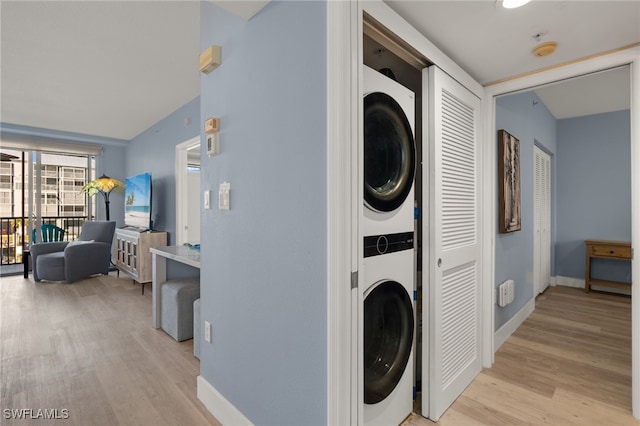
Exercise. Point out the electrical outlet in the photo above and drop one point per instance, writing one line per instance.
(207, 331)
(506, 293)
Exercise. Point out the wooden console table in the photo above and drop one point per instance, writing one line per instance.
(620, 250)
(132, 252)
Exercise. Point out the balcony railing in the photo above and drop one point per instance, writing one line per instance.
(14, 243)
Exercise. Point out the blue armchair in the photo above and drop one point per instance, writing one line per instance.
(73, 260)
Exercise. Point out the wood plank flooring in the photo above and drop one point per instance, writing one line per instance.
(569, 363)
(89, 348)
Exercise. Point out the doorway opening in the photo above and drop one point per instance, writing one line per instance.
(576, 162)
(188, 192)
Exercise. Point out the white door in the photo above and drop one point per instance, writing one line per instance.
(452, 339)
(541, 220)
(193, 213)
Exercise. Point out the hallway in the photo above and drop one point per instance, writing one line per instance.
(569, 363)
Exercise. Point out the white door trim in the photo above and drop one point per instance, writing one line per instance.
(182, 188)
(635, 234)
(342, 130)
(624, 57)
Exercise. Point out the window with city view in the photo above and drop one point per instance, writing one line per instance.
(58, 179)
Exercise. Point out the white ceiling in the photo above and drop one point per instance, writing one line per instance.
(113, 69)
(593, 94)
(107, 68)
(493, 43)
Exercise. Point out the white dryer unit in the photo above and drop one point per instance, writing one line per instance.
(388, 336)
(389, 155)
(387, 231)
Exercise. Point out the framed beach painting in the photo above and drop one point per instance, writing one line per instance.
(509, 182)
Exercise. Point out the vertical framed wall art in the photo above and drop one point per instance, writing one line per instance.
(509, 182)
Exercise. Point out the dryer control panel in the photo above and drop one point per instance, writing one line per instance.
(375, 245)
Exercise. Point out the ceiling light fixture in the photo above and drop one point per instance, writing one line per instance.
(512, 4)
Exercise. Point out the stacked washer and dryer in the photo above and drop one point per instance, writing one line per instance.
(387, 229)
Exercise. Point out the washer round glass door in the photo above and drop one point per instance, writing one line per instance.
(388, 337)
(389, 153)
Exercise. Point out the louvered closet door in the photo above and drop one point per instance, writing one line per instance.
(546, 222)
(541, 220)
(454, 256)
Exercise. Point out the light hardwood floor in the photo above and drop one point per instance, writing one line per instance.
(569, 363)
(89, 348)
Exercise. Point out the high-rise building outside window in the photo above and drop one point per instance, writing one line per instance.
(62, 176)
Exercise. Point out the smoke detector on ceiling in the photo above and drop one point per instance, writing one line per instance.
(545, 49)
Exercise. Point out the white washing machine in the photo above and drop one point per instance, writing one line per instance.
(387, 230)
(388, 337)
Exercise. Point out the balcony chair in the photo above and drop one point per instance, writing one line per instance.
(49, 233)
(73, 260)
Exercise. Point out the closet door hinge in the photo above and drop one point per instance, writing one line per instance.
(354, 280)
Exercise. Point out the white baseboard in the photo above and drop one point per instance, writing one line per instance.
(512, 325)
(569, 282)
(224, 411)
(578, 283)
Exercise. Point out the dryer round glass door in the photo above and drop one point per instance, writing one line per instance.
(389, 153)
(388, 337)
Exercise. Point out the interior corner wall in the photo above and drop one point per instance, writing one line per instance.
(112, 163)
(154, 151)
(264, 261)
(526, 118)
(594, 191)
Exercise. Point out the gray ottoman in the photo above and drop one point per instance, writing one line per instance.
(196, 328)
(177, 297)
(52, 264)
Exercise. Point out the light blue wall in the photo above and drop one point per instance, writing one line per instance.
(263, 277)
(525, 117)
(154, 151)
(111, 163)
(594, 190)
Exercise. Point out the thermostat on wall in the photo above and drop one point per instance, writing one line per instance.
(213, 144)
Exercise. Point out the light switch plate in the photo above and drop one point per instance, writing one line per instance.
(207, 200)
(207, 331)
(223, 196)
(213, 144)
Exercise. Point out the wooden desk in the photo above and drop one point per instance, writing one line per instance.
(182, 254)
(620, 250)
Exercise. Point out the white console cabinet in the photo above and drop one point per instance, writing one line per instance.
(132, 253)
